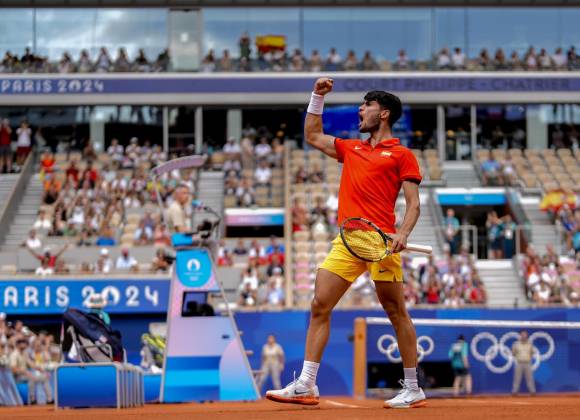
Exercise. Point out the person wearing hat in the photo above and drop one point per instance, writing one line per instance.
(104, 263)
(460, 365)
(96, 304)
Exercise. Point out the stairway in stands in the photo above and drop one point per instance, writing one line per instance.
(502, 283)
(210, 191)
(25, 215)
(424, 231)
(7, 182)
(461, 174)
(543, 229)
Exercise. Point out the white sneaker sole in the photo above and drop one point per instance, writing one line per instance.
(416, 404)
(306, 400)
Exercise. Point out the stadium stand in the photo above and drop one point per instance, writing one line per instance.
(27, 361)
(105, 205)
(547, 169)
(550, 278)
(254, 173)
(282, 60)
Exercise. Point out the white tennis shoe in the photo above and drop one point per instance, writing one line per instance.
(295, 393)
(407, 398)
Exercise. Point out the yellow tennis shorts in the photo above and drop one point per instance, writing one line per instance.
(342, 263)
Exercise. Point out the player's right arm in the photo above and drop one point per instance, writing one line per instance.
(313, 124)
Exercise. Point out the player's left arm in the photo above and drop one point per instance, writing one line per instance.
(412, 212)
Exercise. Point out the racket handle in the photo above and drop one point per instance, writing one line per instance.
(424, 249)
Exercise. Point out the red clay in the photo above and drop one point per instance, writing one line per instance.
(477, 408)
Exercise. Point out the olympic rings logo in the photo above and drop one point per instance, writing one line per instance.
(500, 348)
(393, 348)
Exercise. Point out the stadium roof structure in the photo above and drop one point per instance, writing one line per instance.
(241, 3)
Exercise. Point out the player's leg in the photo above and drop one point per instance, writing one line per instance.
(329, 288)
(528, 372)
(468, 384)
(517, 378)
(456, 383)
(392, 298)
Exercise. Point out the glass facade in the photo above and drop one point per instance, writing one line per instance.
(380, 30)
(51, 32)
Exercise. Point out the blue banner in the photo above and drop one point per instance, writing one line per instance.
(33, 297)
(558, 369)
(148, 84)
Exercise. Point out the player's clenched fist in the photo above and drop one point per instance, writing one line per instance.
(323, 85)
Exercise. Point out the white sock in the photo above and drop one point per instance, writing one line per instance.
(411, 378)
(308, 374)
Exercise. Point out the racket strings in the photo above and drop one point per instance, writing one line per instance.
(364, 240)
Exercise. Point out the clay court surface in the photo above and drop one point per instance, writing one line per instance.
(540, 407)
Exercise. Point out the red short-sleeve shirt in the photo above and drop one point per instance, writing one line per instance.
(372, 178)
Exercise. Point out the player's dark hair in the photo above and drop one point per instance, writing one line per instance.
(387, 101)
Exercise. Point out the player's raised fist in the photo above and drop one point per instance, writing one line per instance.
(323, 85)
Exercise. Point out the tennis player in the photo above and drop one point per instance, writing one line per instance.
(374, 171)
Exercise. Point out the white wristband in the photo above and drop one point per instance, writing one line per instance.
(316, 104)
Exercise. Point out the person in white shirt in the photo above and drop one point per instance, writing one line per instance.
(232, 151)
(115, 150)
(250, 276)
(262, 149)
(133, 153)
(333, 59)
(32, 242)
(458, 59)
(24, 142)
(43, 222)
(560, 59)
(104, 264)
(179, 211)
(332, 201)
(125, 261)
(403, 61)
(544, 60)
(157, 155)
(443, 59)
(263, 174)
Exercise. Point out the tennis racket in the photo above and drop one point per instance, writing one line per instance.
(368, 242)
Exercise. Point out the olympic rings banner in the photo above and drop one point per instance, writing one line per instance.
(491, 362)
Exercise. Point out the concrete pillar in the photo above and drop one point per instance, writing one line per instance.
(441, 132)
(234, 121)
(97, 133)
(165, 119)
(198, 130)
(537, 126)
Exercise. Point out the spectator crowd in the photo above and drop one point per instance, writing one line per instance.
(28, 358)
(29, 62)
(252, 164)
(107, 200)
(262, 280)
(450, 281)
(551, 278)
(280, 59)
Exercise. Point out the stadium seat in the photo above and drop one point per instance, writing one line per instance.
(230, 201)
(564, 152)
(302, 235)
